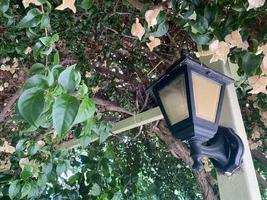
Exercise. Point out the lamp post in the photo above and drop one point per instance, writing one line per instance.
(190, 96)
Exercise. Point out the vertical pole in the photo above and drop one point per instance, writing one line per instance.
(242, 185)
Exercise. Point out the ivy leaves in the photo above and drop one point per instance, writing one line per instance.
(32, 19)
(4, 5)
(57, 100)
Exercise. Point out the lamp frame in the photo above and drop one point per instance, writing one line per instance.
(223, 146)
(193, 125)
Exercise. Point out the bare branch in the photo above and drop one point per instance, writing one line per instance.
(180, 151)
(111, 106)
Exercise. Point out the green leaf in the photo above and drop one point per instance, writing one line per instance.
(41, 182)
(37, 48)
(104, 132)
(201, 38)
(200, 25)
(96, 190)
(34, 148)
(69, 79)
(85, 141)
(50, 78)
(20, 145)
(86, 110)
(46, 41)
(83, 90)
(32, 19)
(64, 113)
(117, 196)
(4, 5)
(86, 4)
(26, 173)
(87, 129)
(14, 189)
(25, 189)
(61, 167)
(162, 29)
(34, 190)
(37, 80)
(31, 104)
(37, 68)
(56, 70)
(251, 62)
(47, 168)
(210, 13)
(31, 34)
(45, 21)
(56, 58)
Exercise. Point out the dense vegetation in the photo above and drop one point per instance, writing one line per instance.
(70, 69)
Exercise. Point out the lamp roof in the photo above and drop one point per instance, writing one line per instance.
(195, 65)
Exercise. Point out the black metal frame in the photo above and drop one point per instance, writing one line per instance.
(224, 148)
(193, 125)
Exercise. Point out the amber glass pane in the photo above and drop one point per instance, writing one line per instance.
(206, 95)
(174, 100)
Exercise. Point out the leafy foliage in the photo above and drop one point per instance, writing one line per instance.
(57, 104)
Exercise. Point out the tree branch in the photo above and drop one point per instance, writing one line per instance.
(180, 151)
(137, 4)
(111, 106)
(259, 156)
(261, 180)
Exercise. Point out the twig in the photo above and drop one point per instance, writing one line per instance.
(145, 103)
(177, 53)
(261, 180)
(110, 106)
(259, 156)
(127, 36)
(154, 68)
(137, 4)
(46, 34)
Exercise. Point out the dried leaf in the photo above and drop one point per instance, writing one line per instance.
(88, 74)
(23, 161)
(154, 42)
(41, 143)
(263, 115)
(26, 3)
(263, 49)
(258, 84)
(137, 29)
(7, 148)
(67, 4)
(95, 89)
(206, 164)
(54, 135)
(151, 17)
(253, 4)
(264, 65)
(256, 133)
(235, 40)
(218, 50)
(28, 50)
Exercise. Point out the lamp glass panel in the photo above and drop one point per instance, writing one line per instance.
(174, 100)
(206, 96)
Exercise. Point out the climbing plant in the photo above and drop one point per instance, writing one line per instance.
(88, 64)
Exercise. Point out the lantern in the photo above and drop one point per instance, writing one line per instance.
(190, 96)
